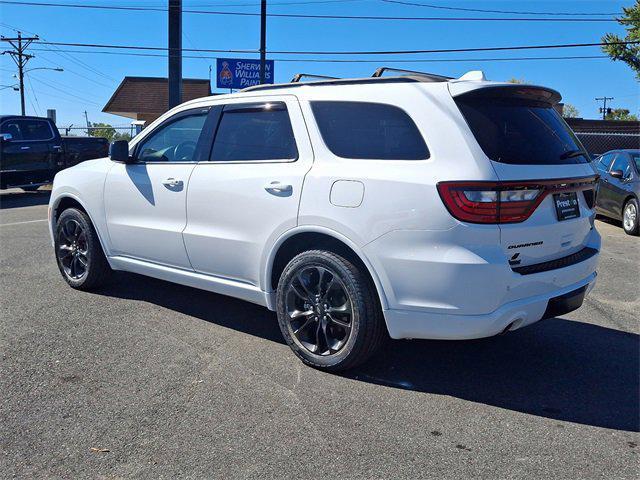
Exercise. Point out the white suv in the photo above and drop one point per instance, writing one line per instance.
(417, 205)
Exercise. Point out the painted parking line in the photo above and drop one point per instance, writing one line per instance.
(21, 223)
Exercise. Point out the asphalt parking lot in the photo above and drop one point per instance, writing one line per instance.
(148, 379)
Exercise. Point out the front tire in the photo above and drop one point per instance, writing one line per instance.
(78, 251)
(328, 311)
(630, 219)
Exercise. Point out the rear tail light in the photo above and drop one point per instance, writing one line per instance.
(502, 202)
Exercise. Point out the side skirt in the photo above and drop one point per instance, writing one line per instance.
(223, 286)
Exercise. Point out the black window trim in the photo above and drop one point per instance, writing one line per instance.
(200, 145)
(426, 143)
(53, 134)
(254, 106)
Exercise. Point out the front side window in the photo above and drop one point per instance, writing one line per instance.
(605, 162)
(521, 132)
(173, 142)
(635, 157)
(621, 163)
(255, 132)
(27, 130)
(363, 130)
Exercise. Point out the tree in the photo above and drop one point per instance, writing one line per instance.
(629, 53)
(620, 114)
(569, 111)
(102, 130)
(516, 80)
(122, 136)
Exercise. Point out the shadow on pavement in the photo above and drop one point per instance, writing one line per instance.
(558, 369)
(17, 199)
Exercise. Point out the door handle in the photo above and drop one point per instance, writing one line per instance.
(278, 188)
(25, 148)
(172, 182)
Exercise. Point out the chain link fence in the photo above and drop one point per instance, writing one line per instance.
(122, 132)
(597, 143)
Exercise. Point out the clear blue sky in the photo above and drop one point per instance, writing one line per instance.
(81, 87)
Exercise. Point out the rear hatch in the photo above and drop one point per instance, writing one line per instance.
(546, 192)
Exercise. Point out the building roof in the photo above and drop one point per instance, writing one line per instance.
(138, 97)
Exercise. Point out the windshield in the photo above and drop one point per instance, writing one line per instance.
(520, 132)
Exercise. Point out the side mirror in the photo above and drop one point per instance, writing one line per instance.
(119, 151)
(6, 137)
(616, 173)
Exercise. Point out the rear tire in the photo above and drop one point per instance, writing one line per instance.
(78, 251)
(630, 219)
(328, 311)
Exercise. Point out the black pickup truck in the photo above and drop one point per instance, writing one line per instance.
(32, 151)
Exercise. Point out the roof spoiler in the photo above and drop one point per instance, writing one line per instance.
(532, 93)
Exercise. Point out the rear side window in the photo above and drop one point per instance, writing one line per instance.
(28, 130)
(521, 132)
(249, 132)
(363, 130)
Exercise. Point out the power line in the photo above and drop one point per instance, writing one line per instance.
(271, 4)
(353, 60)
(378, 52)
(513, 12)
(310, 16)
(37, 110)
(65, 92)
(70, 58)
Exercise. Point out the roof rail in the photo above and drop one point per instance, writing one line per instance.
(432, 77)
(337, 81)
(299, 76)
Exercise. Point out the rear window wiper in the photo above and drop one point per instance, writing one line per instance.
(571, 154)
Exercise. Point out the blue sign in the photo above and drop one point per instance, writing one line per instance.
(238, 73)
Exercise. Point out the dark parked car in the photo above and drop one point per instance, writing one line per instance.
(32, 151)
(619, 187)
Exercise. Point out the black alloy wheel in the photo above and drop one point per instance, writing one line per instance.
(328, 310)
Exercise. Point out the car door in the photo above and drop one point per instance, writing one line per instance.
(604, 195)
(618, 188)
(145, 201)
(247, 193)
(29, 157)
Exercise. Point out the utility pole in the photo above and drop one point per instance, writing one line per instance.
(20, 44)
(175, 53)
(86, 117)
(263, 39)
(603, 109)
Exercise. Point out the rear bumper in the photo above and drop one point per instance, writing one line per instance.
(513, 315)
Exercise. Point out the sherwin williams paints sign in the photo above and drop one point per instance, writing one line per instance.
(238, 73)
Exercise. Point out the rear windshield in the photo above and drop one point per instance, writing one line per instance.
(519, 132)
